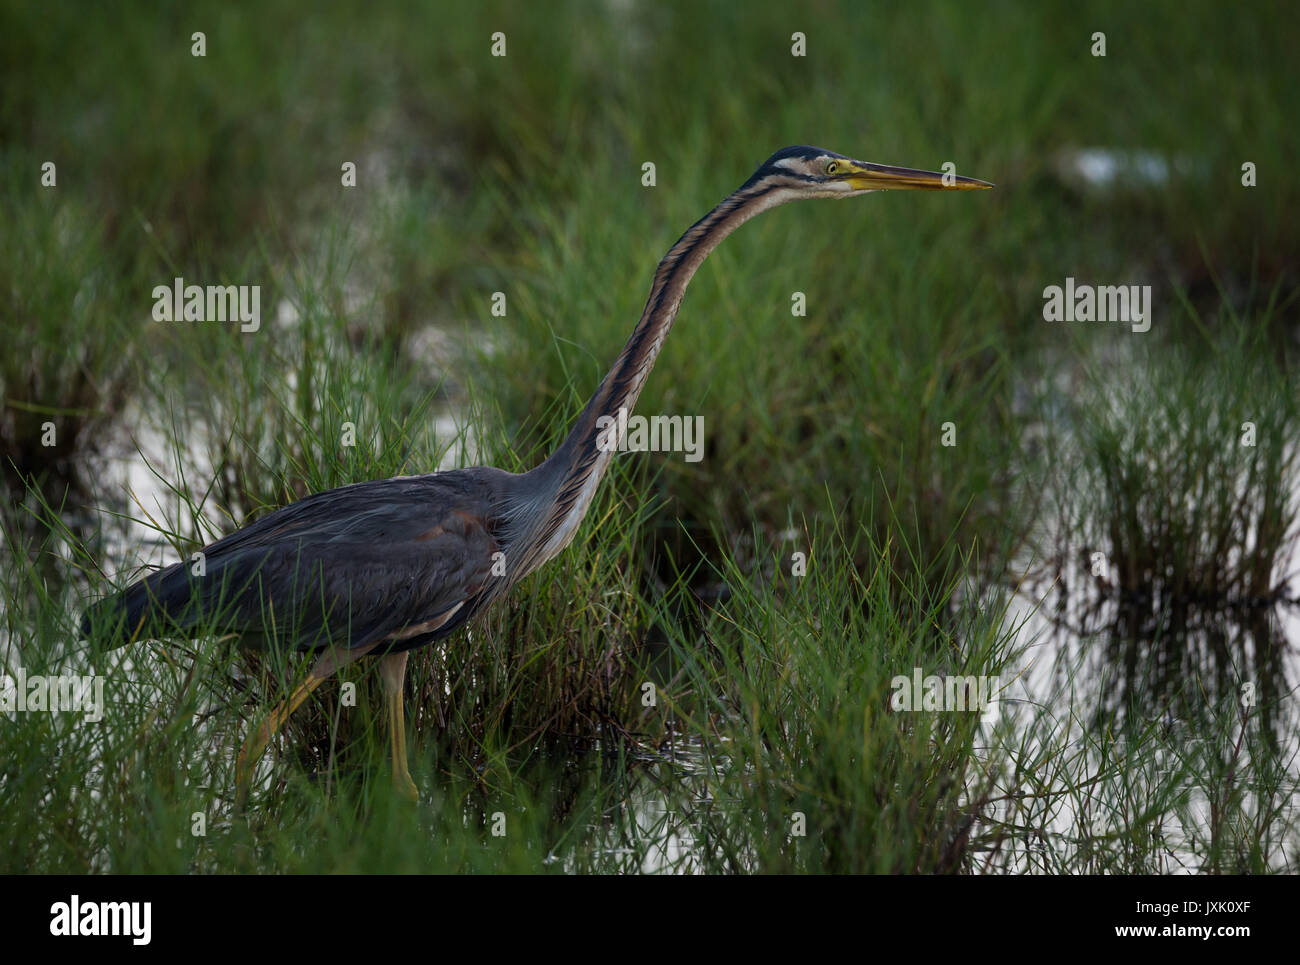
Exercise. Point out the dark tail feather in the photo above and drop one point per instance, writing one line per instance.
(157, 605)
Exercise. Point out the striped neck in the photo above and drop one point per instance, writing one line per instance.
(581, 460)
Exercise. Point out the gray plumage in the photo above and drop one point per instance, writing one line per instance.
(368, 562)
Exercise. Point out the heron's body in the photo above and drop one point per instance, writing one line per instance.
(379, 568)
(367, 563)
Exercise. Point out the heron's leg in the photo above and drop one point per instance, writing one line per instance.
(392, 670)
(328, 663)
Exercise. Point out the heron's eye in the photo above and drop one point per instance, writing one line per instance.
(832, 167)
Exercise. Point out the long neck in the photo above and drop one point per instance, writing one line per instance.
(581, 460)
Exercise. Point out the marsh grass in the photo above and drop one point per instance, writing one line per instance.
(769, 705)
(176, 711)
(807, 764)
(1173, 520)
(490, 720)
(1188, 489)
(66, 366)
(1141, 796)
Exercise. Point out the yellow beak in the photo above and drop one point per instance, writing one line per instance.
(863, 176)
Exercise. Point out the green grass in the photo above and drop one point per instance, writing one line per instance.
(824, 433)
(1193, 487)
(1170, 517)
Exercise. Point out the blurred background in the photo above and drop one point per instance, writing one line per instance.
(1112, 529)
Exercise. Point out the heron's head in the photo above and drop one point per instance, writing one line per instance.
(812, 172)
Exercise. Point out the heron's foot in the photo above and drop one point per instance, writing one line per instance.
(249, 755)
(392, 671)
(403, 786)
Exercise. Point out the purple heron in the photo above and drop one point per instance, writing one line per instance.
(380, 568)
